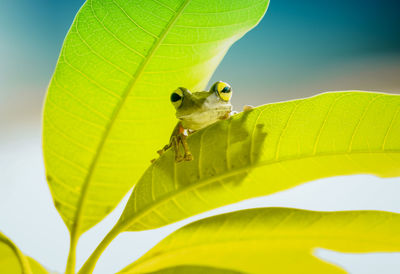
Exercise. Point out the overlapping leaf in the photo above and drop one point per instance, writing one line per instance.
(268, 149)
(107, 109)
(270, 240)
(13, 261)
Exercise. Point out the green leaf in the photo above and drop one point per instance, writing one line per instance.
(265, 150)
(272, 240)
(269, 149)
(107, 109)
(12, 260)
(194, 269)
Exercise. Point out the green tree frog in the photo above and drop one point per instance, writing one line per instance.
(196, 111)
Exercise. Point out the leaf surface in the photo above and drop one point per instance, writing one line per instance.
(273, 240)
(107, 109)
(269, 149)
(13, 261)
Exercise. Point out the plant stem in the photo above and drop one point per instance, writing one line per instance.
(71, 262)
(90, 263)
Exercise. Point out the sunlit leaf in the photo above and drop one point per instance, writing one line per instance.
(107, 109)
(271, 240)
(269, 149)
(194, 269)
(13, 261)
(265, 150)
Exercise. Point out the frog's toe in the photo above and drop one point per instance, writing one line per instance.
(178, 159)
(188, 157)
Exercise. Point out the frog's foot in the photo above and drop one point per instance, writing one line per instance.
(188, 157)
(247, 108)
(178, 158)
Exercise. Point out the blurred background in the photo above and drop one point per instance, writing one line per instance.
(299, 49)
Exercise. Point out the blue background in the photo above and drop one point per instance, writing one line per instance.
(299, 48)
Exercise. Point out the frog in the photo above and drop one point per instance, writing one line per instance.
(196, 111)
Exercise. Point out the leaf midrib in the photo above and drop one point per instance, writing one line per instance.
(206, 181)
(120, 104)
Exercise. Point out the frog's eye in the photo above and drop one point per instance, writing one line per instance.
(223, 90)
(177, 97)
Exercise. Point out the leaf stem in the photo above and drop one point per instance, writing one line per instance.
(71, 262)
(90, 263)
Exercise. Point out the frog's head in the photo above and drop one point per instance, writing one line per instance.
(203, 106)
(182, 98)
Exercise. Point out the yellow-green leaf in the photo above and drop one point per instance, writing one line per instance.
(268, 149)
(13, 261)
(265, 150)
(194, 269)
(107, 109)
(272, 240)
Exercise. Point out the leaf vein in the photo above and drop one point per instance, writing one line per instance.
(62, 158)
(316, 143)
(67, 137)
(94, 82)
(227, 11)
(96, 53)
(278, 147)
(134, 22)
(165, 6)
(360, 120)
(390, 128)
(74, 97)
(113, 34)
(71, 114)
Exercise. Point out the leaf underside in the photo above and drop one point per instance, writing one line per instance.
(271, 240)
(107, 109)
(269, 149)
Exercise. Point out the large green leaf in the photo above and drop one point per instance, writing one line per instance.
(265, 150)
(107, 109)
(13, 261)
(268, 149)
(271, 240)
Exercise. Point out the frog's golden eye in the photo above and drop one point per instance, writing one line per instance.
(223, 90)
(177, 97)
